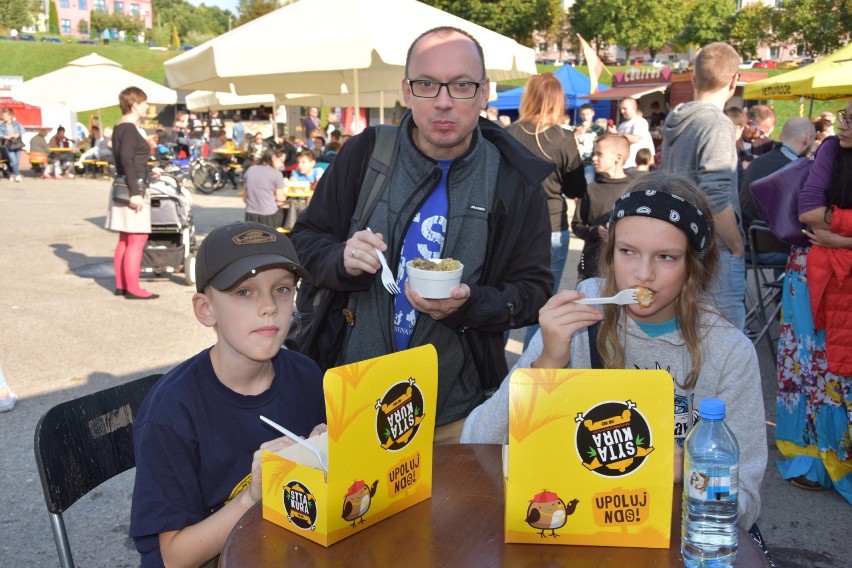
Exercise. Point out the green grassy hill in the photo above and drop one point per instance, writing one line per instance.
(32, 59)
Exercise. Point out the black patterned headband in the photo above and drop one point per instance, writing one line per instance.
(665, 207)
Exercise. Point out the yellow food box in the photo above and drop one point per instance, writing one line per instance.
(590, 459)
(381, 425)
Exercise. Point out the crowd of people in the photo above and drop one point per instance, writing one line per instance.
(495, 196)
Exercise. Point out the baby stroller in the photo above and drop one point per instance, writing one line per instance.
(171, 246)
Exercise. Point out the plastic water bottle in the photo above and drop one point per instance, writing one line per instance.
(710, 481)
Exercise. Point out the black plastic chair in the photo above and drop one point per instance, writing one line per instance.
(768, 291)
(82, 443)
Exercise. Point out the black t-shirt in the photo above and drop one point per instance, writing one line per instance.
(195, 438)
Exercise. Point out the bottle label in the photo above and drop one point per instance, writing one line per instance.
(714, 484)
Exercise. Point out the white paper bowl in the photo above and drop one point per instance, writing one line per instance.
(433, 284)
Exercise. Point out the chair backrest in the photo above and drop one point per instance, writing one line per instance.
(762, 239)
(84, 442)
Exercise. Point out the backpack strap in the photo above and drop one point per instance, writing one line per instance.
(385, 149)
(594, 355)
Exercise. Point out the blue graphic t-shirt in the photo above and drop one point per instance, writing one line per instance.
(424, 239)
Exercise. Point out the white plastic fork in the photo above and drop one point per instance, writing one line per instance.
(387, 276)
(622, 298)
(323, 459)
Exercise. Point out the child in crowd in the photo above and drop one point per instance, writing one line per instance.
(198, 431)
(644, 161)
(591, 215)
(661, 237)
(307, 169)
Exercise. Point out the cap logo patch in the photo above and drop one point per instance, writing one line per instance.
(254, 237)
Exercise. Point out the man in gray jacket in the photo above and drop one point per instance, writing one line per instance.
(699, 141)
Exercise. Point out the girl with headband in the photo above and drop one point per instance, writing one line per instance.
(660, 238)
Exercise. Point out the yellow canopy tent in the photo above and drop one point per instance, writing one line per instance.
(828, 78)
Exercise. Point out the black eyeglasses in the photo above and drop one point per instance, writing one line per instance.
(844, 119)
(427, 89)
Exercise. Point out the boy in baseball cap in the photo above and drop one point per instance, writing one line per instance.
(198, 431)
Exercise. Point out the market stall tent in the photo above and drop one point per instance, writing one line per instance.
(574, 85)
(828, 78)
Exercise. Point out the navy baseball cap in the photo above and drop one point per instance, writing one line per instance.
(234, 252)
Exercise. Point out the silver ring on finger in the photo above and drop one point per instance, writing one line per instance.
(353, 253)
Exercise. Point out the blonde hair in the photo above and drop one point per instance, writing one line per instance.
(715, 66)
(617, 143)
(692, 300)
(543, 105)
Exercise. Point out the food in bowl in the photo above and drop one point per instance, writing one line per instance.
(442, 265)
(644, 296)
(437, 278)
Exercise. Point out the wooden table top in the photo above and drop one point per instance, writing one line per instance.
(460, 526)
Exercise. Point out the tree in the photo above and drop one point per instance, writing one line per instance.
(517, 19)
(53, 19)
(175, 43)
(188, 18)
(748, 29)
(252, 9)
(596, 21)
(83, 27)
(815, 24)
(17, 13)
(653, 24)
(710, 20)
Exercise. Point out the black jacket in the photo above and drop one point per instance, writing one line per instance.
(514, 283)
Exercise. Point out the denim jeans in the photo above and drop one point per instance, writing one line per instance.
(729, 289)
(558, 257)
(14, 158)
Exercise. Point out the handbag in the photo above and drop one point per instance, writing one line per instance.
(777, 200)
(120, 192)
(14, 144)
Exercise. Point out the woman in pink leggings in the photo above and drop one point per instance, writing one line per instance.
(132, 220)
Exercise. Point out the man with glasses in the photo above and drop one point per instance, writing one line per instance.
(756, 139)
(460, 187)
(699, 142)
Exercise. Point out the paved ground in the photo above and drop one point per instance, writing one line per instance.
(63, 334)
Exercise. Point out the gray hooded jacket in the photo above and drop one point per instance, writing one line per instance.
(699, 141)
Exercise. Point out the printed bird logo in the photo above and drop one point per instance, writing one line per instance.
(357, 501)
(548, 512)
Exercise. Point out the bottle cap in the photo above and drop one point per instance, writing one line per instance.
(711, 408)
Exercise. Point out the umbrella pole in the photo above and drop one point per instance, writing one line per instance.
(811, 109)
(357, 104)
(381, 107)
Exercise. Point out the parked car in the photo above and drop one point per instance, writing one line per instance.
(748, 64)
(807, 61)
(51, 40)
(637, 61)
(26, 37)
(789, 64)
(766, 64)
(186, 47)
(658, 63)
(87, 42)
(6, 37)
